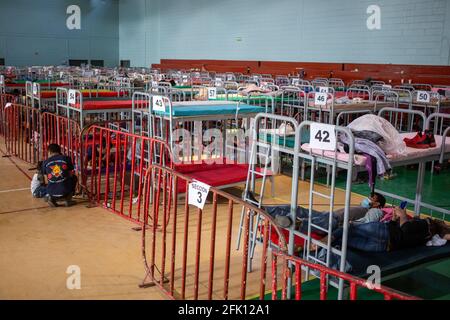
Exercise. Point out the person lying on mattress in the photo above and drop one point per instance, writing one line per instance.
(370, 210)
(401, 233)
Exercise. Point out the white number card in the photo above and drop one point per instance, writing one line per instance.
(212, 93)
(158, 104)
(72, 98)
(323, 137)
(198, 193)
(321, 99)
(423, 96)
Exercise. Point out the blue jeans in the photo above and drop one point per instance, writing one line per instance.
(369, 237)
(320, 219)
(40, 192)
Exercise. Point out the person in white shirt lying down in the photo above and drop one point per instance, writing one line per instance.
(370, 210)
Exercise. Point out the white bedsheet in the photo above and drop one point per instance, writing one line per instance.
(411, 153)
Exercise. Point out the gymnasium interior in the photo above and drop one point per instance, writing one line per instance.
(225, 150)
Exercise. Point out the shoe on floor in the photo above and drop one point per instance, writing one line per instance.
(52, 203)
(69, 203)
(283, 221)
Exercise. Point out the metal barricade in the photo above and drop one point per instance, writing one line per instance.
(23, 132)
(113, 166)
(4, 100)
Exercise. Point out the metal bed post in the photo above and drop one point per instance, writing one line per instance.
(308, 237)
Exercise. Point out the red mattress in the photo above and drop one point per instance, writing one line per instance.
(215, 175)
(108, 105)
(101, 94)
(298, 241)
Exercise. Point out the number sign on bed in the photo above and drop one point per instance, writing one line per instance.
(423, 97)
(323, 137)
(212, 93)
(324, 89)
(321, 99)
(158, 104)
(72, 98)
(198, 193)
(35, 89)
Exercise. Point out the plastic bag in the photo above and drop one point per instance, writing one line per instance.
(392, 142)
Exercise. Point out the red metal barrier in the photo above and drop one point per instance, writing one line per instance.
(189, 259)
(352, 282)
(131, 176)
(113, 166)
(4, 100)
(64, 132)
(22, 132)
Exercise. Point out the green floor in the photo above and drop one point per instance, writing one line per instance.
(429, 283)
(435, 192)
(432, 282)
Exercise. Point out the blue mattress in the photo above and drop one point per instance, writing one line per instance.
(288, 141)
(208, 110)
(395, 261)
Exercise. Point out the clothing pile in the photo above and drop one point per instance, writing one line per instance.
(375, 137)
(423, 140)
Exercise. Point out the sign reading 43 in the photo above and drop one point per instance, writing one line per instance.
(158, 104)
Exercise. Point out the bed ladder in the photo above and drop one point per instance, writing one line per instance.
(255, 219)
(314, 256)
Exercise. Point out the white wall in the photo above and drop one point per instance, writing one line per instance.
(413, 31)
(35, 33)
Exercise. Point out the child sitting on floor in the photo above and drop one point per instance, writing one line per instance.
(38, 187)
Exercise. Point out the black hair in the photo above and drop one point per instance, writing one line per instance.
(380, 199)
(54, 148)
(439, 227)
(39, 167)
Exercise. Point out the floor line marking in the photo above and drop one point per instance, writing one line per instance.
(24, 210)
(13, 190)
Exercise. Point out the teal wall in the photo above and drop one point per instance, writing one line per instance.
(412, 31)
(34, 32)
